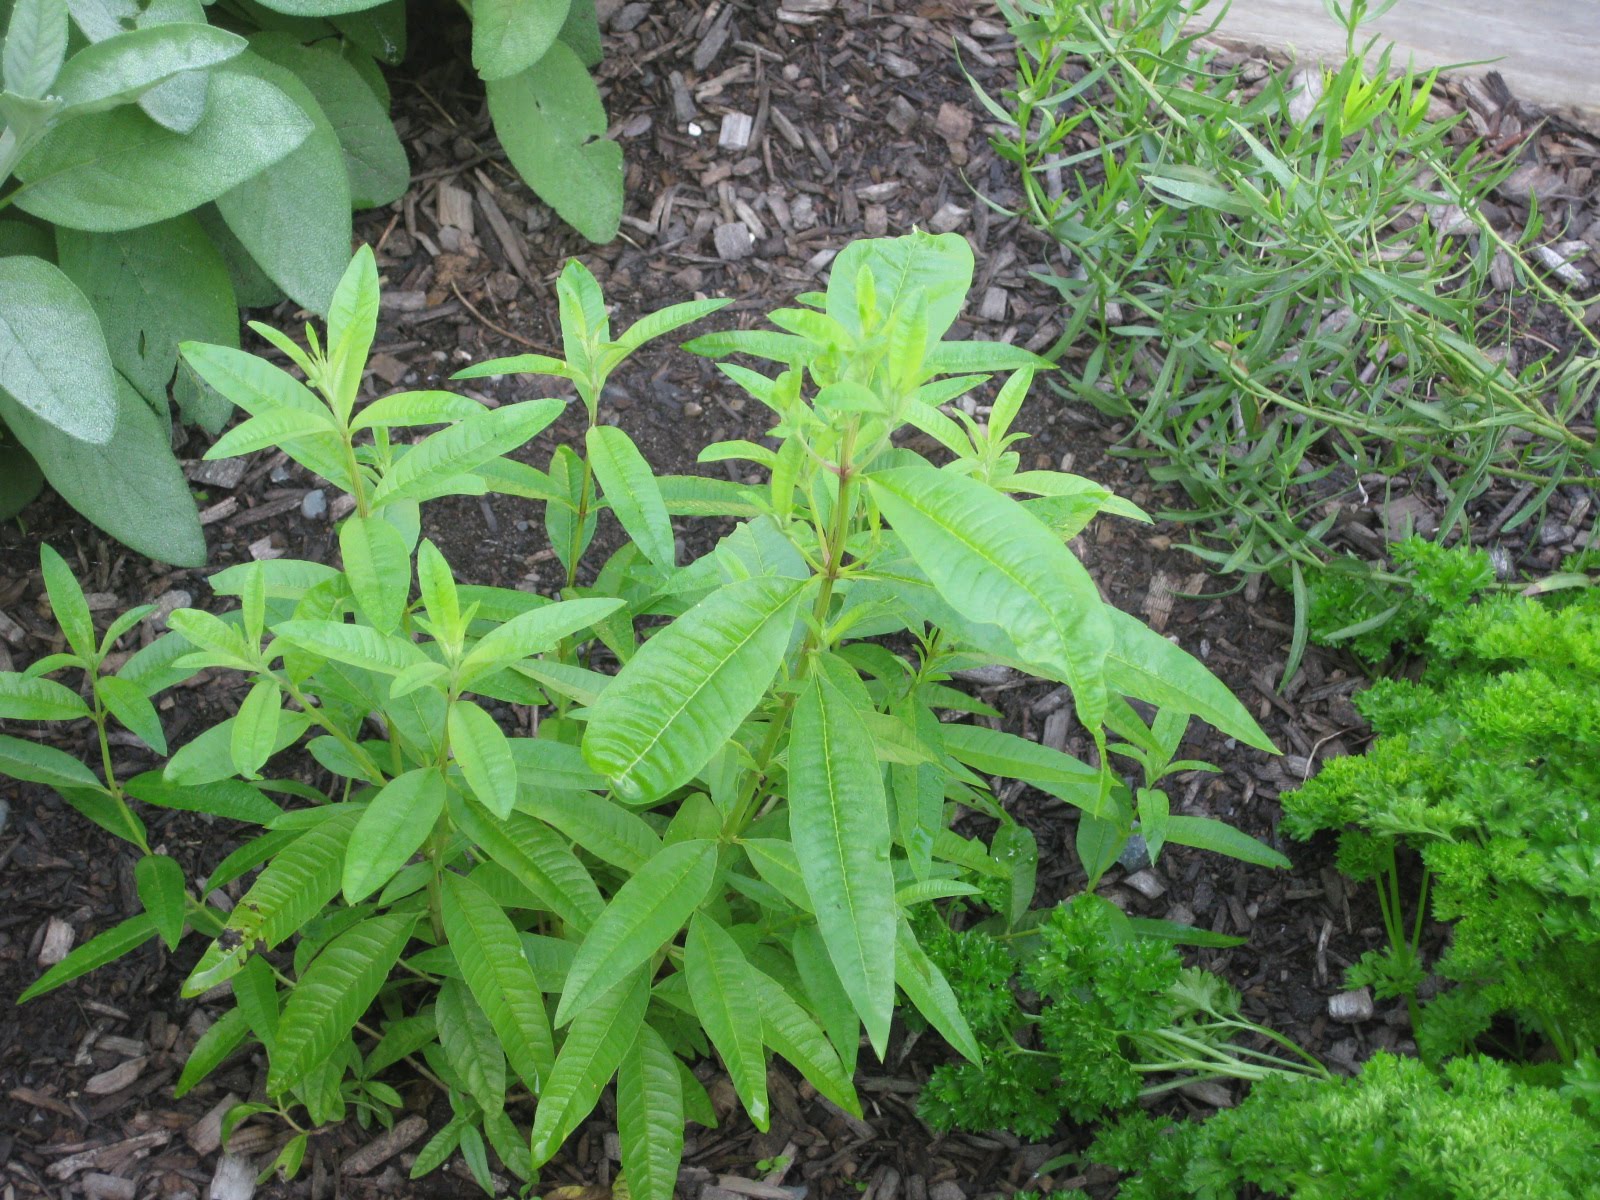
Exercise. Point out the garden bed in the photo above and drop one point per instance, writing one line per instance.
(859, 124)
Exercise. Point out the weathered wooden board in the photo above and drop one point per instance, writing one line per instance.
(1547, 50)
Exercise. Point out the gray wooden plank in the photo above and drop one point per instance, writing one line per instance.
(1547, 50)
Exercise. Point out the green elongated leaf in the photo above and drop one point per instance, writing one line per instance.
(538, 859)
(35, 44)
(33, 763)
(775, 861)
(664, 320)
(471, 1046)
(96, 952)
(599, 1038)
(124, 66)
(395, 824)
(647, 911)
(839, 823)
(1099, 841)
(357, 645)
(104, 810)
(927, 269)
(53, 357)
(1015, 849)
(224, 1036)
(603, 828)
(255, 991)
(488, 951)
(545, 764)
(293, 216)
(159, 880)
(209, 757)
(401, 1038)
(333, 993)
(719, 984)
(415, 408)
(119, 170)
(1207, 833)
(377, 562)
(375, 161)
(686, 691)
(926, 987)
(650, 1117)
(509, 36)
(962, 358)
(629, 486)
(995, 564)
(25, 699)
(254, 735)
(826, 994)
(132, 488)
(299, 881)
(919, 789)
(252, 383)
(533, 632)
(273, 430)
(439, 1148)
(552, 124)
(1143, 664)
(67, 602)
(128, 703)
(1154, 814)
(789, 1030)
(230, 798)
(484, 756)
(455, 451)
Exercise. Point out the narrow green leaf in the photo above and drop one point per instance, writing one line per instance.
(647, 911)
(212, 1048)
(67, 603)
(650, 1117)
(537, 857)
(487, 949)
(929, 991)
(230, 798)
(596, 1044)
(129, 704)
(96, 952)
(719, 984)
(792, 1033)
(605, 829)
(686, 691)
(358, 645)
(630, 487)
(332, 995)
(396, 822)
(1207, 833)
(826, 994)
(471, 1046)
(159, 880)
(484, 756)
(255, 728)
(33, 763)
(533, 632)
(453, 452)
(839, 823)
(377, 562)
(25, 699)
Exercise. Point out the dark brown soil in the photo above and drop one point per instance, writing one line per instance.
(863, 125)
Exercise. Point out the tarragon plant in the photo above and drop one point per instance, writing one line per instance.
(729, 789)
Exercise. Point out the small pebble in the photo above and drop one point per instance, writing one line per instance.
(1147, 883)
(58, 939)
(315, 505)
(1135, 855)
(1351, 1007)
(279, 473)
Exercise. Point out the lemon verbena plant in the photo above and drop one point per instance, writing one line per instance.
(737, 788)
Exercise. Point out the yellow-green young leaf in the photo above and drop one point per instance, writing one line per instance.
(396, 822)
(454, 452)
(352, 322)
(647, 911)
(789, 1030)
(96, 952)
(356, 645)
(255, 728)
(333, 993)
(996, 564)
(439, 596)
(209, 757)
(682, 696)
(378, 565)
(275, 429)
(839, 824)
(926, 987)
(827, 994)
(1207, 833)
(630, 487)
(719, 985)
(33, 763)
(774, 860)
(594, 1048)
(536, 856)
(532, 633)
(129, 704)
(67, 603)
(488, 950)
(230, 798)
(295, 886)
(471, 1046)
(159, 880)
(24, 699)
(213, 1047)
(484, 756)
(650, 1117)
